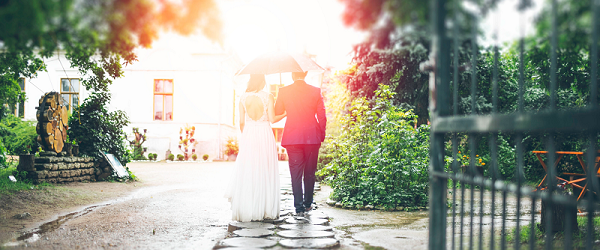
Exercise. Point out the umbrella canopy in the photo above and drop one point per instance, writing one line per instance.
(279, 62)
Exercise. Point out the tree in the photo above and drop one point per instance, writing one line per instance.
(98, 37)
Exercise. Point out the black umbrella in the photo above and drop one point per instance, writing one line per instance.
(279, 62)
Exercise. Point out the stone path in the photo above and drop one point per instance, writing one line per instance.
(310, 231)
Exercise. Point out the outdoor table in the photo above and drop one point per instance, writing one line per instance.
(567, 182)
(560, 155)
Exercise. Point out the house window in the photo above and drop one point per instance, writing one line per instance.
(274, 89)
(19, 108)
(69, 91)
(278, 133)
(163, 99)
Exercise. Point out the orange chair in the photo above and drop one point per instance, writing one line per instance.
(583, 177)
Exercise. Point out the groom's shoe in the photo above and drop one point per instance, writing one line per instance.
(308, 209)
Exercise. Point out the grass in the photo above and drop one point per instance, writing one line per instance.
(7, 187)
(579, 236)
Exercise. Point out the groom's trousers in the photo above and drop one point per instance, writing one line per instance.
(303, 163)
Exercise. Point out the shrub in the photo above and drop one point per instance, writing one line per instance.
(232, 147)
(194, 157)
(205, 157)
(98, 130)
(187, 141)
(19, 137)
(379, 157)
(3, 163)
(180, 157)
(171, 157)
(136, 143)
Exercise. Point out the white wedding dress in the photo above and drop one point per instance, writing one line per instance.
(254, 189)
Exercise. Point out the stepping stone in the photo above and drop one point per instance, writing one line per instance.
(301, 220)
(286, 213)
(236, 225)
(279, 220)
(305, 227)
(239, 248)
(253, 232)
(310, 243)
(248, 242)
(297, 234)
(316, 215)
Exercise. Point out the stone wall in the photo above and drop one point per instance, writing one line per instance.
(53, 169)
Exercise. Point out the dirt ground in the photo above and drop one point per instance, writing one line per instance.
(48, 203)
(181, 206)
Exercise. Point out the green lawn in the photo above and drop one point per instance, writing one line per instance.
(7, 187)
(579, 237)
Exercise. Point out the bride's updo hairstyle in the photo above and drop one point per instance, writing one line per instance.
(256, 83)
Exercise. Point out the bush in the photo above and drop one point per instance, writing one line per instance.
(136, 144)
(171, 157)
(194, 157)
(3, 162)
(379, 158)
(19, 137)
(180, 157)
(205, 157)
(232, 147)
(98, 130)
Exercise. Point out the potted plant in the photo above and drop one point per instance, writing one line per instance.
(283, 155)
(232, 148)
(194, 157)
(75, 148)
(187, 142)
(180, 157)
(67, 147)
(171, 157)
(205, 157)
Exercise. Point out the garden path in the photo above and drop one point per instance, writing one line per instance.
(181, 206)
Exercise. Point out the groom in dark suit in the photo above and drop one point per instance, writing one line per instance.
(302, 135)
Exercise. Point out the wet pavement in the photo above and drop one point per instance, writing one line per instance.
(311, 230)
(181, 206)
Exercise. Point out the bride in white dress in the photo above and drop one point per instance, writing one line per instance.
(254, 189)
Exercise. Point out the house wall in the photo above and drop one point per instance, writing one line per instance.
(164, 136)
(203, 96)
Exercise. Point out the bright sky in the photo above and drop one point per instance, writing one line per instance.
(508, 23)
(254, 27)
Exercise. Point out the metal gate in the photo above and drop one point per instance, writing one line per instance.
(462, 225)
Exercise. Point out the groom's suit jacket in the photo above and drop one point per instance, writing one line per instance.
(302, 102)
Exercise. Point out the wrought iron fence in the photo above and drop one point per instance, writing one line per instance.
(459, 217)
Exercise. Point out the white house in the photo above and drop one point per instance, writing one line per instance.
(180, 81)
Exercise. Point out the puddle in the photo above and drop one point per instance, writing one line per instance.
(52, 225)
(36, 233)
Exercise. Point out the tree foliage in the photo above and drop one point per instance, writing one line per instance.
(18, 136)
(399, 41)
(97, 37)
(380, 158)
(97, 130)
